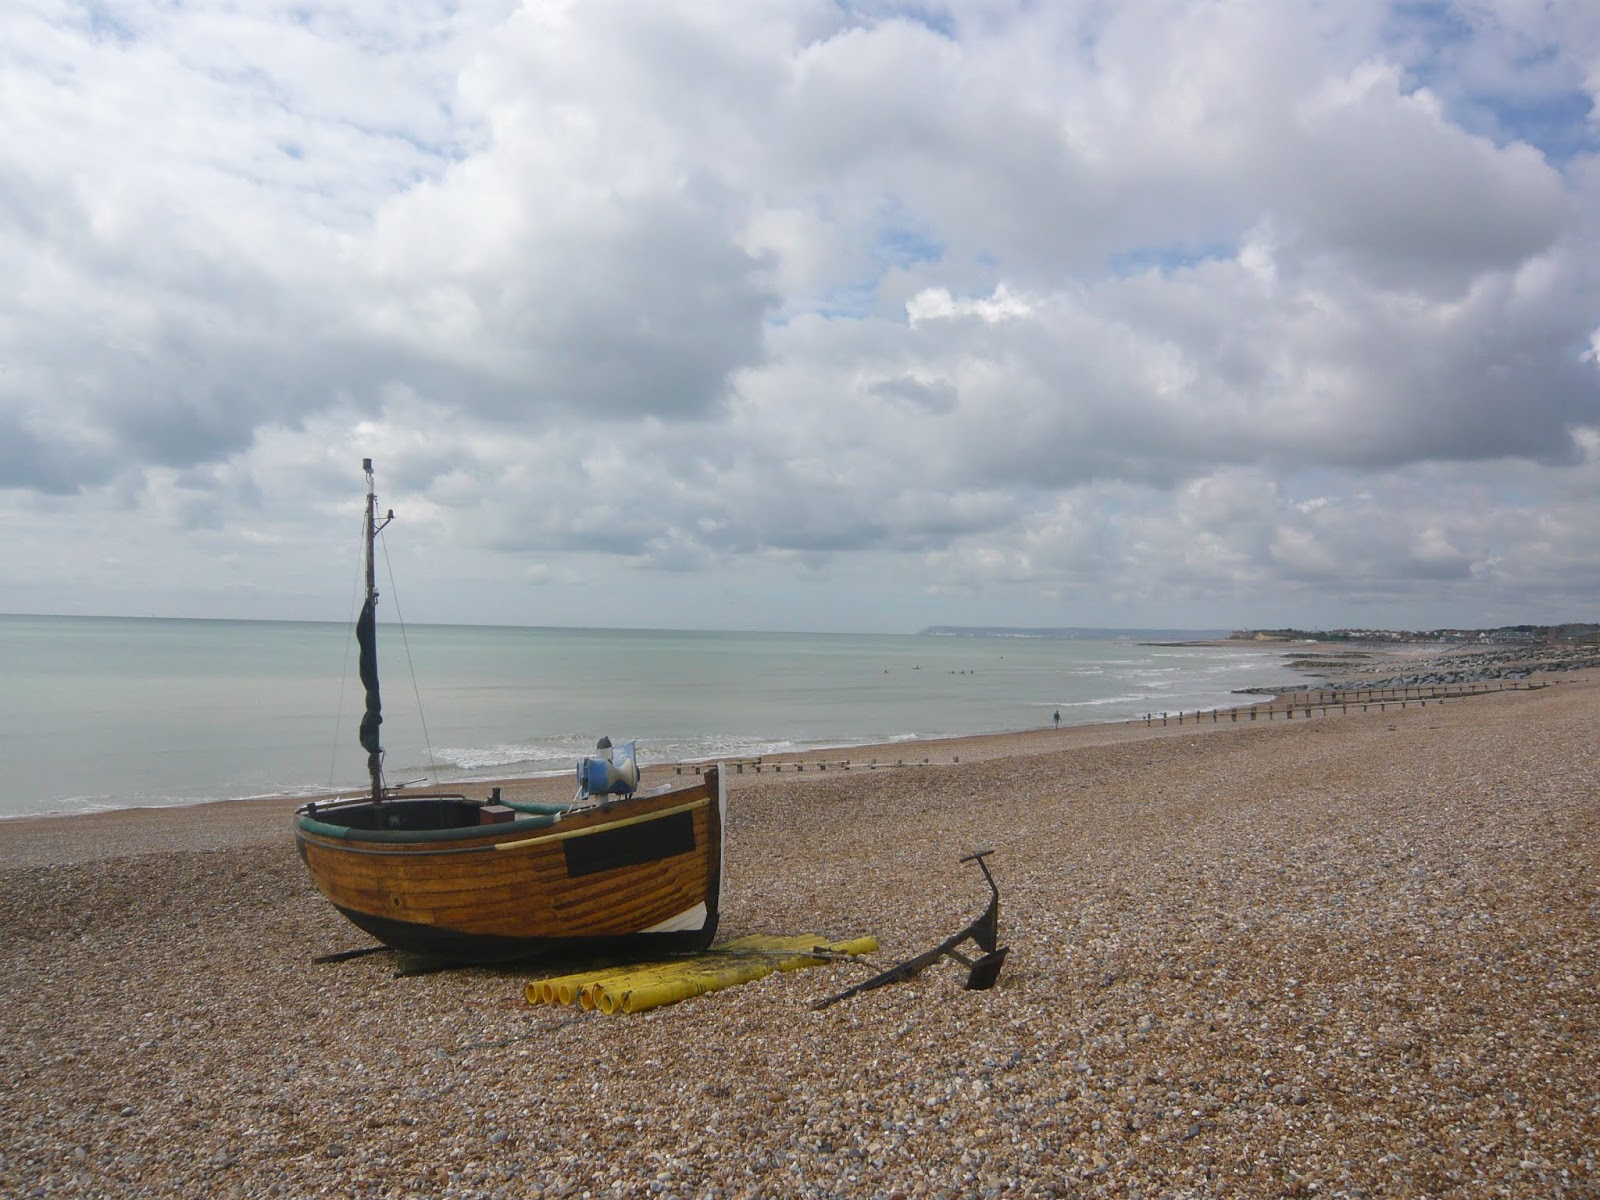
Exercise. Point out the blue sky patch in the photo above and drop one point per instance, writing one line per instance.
(1167, 258)
(1533, 94)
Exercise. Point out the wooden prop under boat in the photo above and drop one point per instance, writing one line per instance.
(463, 880)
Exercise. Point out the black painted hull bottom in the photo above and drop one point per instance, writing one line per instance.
(447, 946)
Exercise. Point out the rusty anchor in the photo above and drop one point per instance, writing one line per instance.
(984, 931)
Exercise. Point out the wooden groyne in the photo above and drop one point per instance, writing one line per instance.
(756, 766)
(1321, 702)
(1289, 706)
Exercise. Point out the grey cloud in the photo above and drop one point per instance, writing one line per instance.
(649, 319)
(1382, 177)
(937, 396)
(29, 462)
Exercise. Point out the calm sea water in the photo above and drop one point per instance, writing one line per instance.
(119, 712)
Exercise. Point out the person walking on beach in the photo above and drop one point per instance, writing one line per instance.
(1057, 718)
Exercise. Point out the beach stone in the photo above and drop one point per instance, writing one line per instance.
(1353, 955)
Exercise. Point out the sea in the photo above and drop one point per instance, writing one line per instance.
(112, 712)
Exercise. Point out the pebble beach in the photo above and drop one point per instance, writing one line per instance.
(1350, 955)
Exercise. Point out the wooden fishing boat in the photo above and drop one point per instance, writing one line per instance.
(484, 880)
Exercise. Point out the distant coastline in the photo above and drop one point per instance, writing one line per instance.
(1115, 633)
(1569, 631)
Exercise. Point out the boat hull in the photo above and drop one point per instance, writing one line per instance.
(454, 946)
(640, 872)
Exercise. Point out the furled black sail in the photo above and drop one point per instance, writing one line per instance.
(367, 640)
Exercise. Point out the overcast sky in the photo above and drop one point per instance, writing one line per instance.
(804, 315)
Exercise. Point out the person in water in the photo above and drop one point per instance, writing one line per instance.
(1057, 718)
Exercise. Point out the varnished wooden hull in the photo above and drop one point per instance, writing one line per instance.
(643, 871)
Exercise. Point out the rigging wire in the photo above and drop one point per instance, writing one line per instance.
(427, 742)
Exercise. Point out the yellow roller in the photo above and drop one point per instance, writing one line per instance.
(569, 989)
(707, 972)
(860, 945)
(639, 995)
(644, 986)
(580, 987)
(592, 993)
(545, 991)
(584, 987)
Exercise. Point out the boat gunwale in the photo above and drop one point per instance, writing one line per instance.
(494, 836)
(306, 823)
(386, 844)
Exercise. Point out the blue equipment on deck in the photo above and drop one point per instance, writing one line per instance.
(612, 771)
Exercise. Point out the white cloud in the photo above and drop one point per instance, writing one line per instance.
(936, 304)
(1150, 312)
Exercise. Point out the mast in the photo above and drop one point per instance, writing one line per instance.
(367, 640)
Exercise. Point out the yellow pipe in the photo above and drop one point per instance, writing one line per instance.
(586, 990)
(572, 993)
(650, 986)
(637, 995)
(596, 991)
(543, 991)
(860, 945)
(654, 995)
(644, 986)
(764, 951)
(591, 994)
(564, 989)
